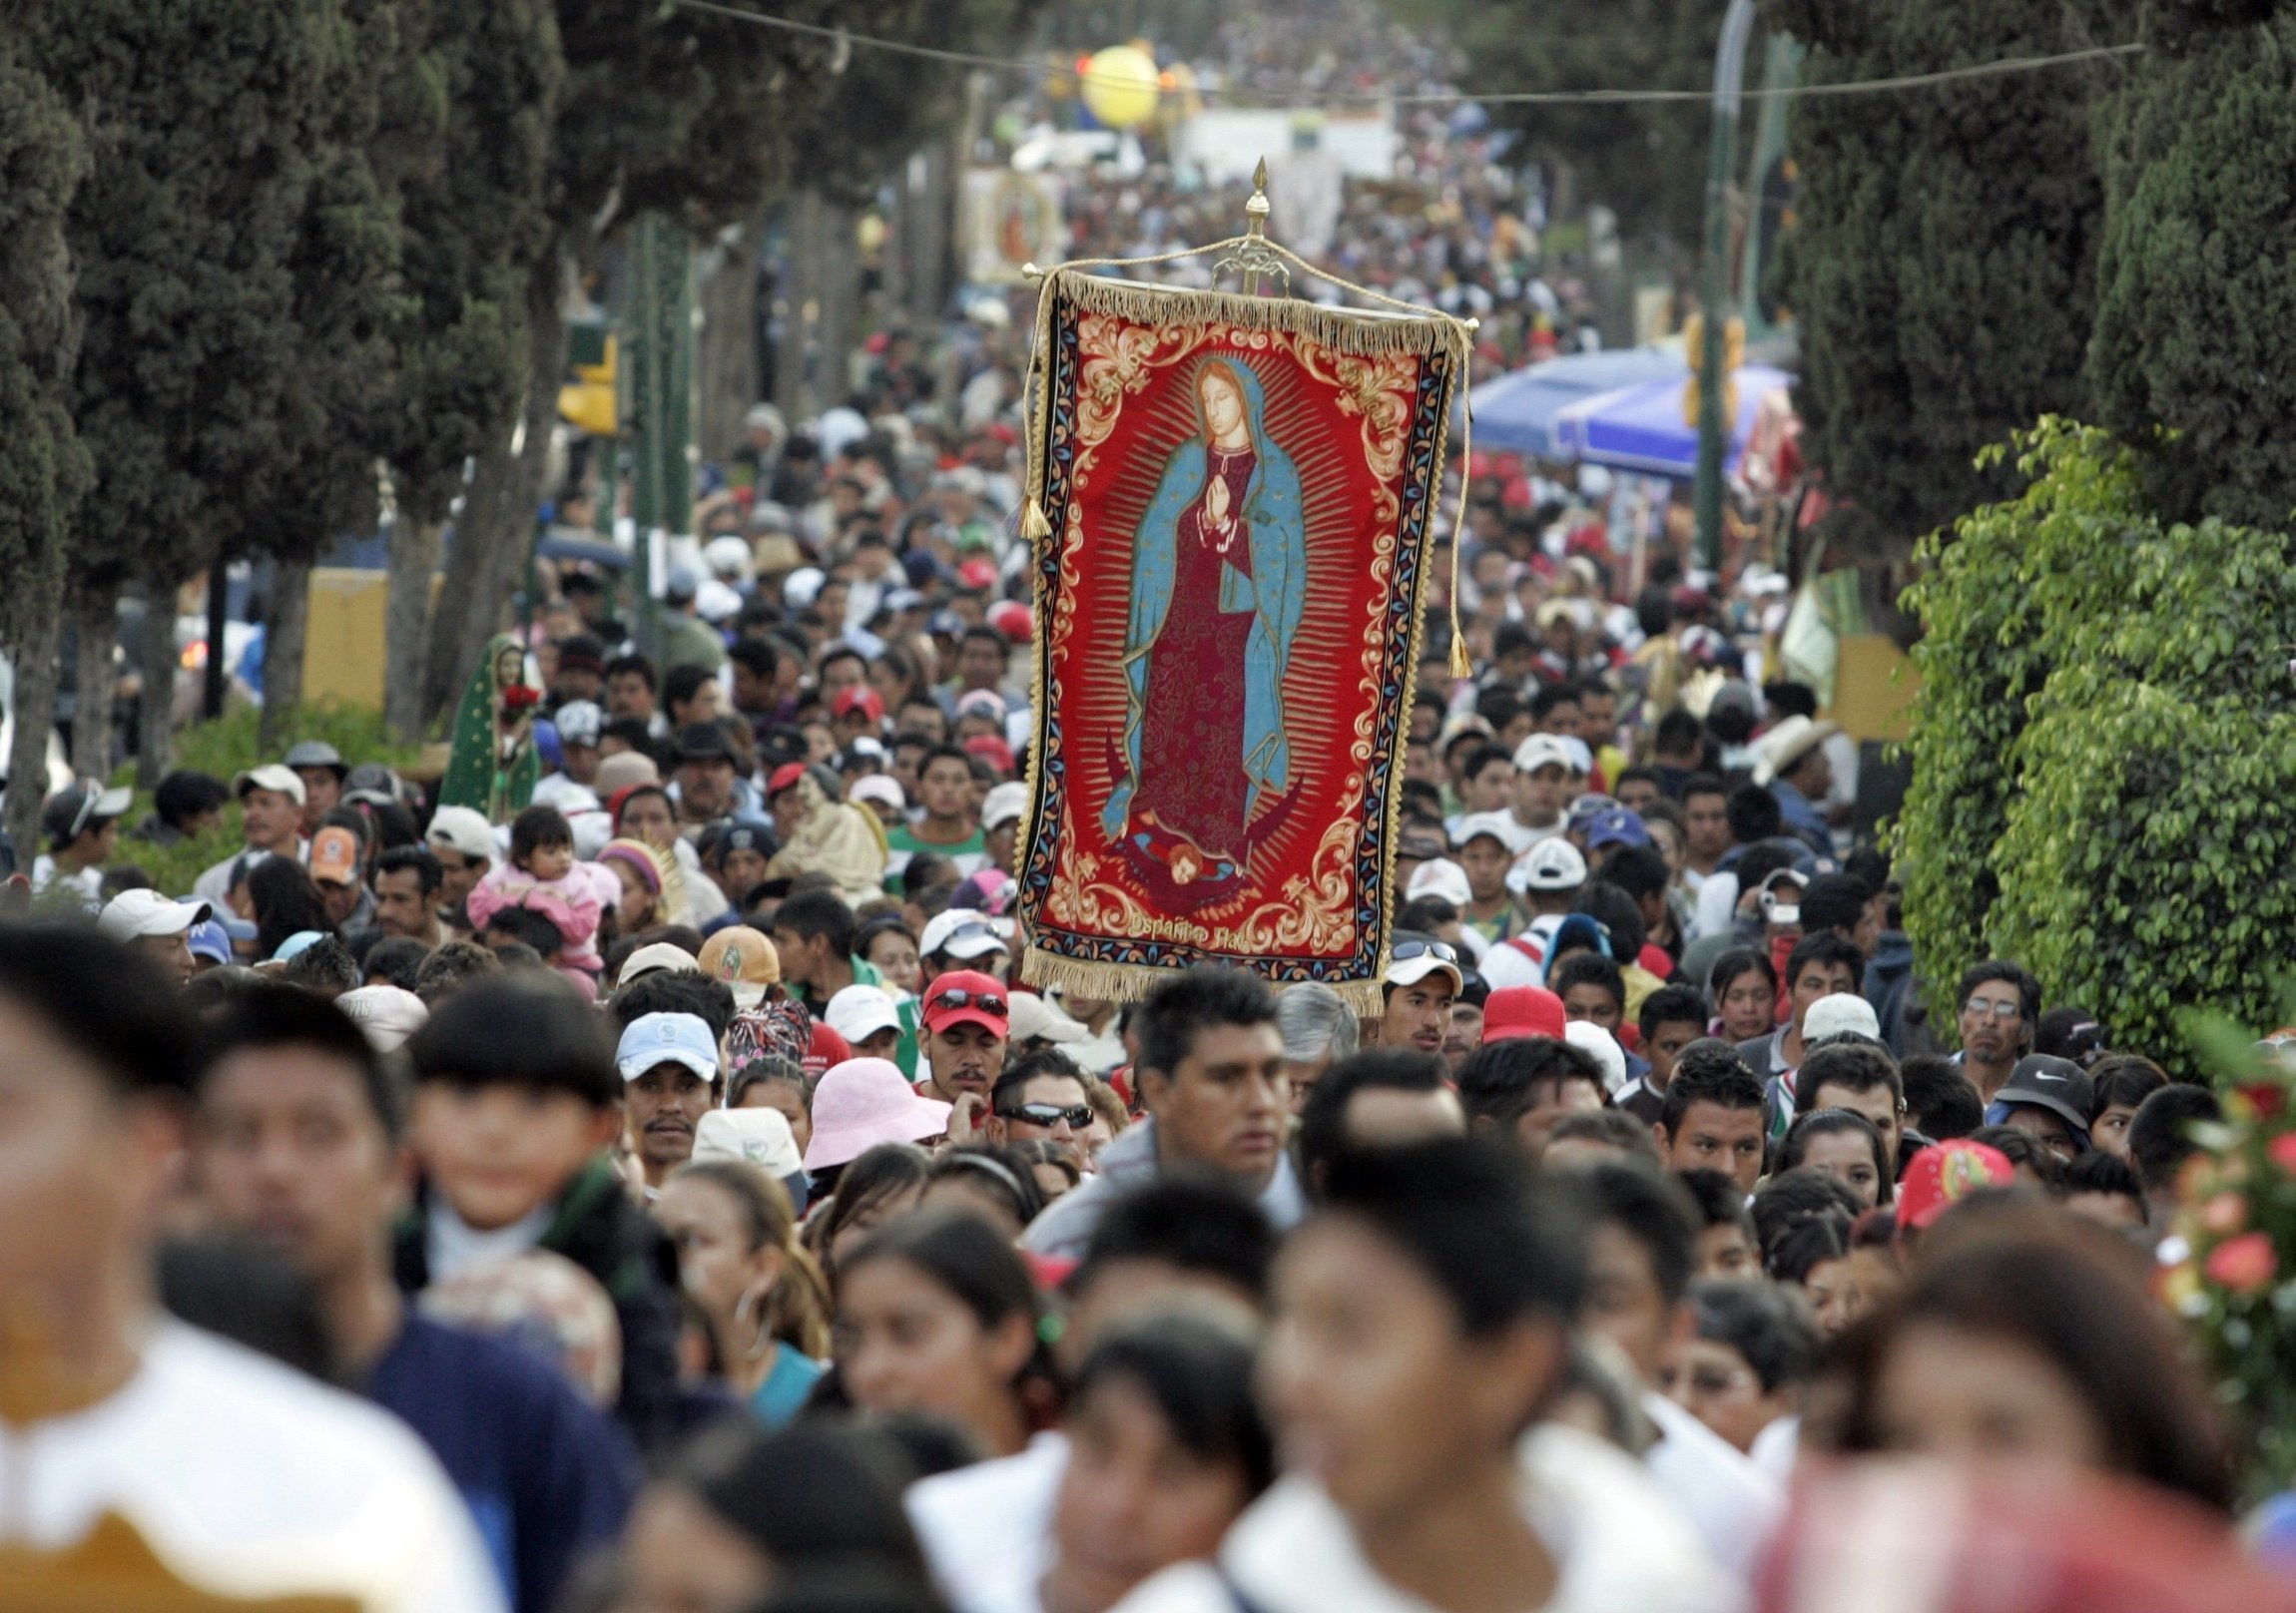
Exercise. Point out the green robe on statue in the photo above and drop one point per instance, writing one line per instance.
(493, 766)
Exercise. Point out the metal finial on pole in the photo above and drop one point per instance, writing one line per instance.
(1256, 213)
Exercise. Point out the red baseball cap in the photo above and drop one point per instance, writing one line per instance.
(969, 997)
(976, 574)
(1013, 619)
(992, 751)
(783, 776)
(863, 698)
(1944, 1174)
(1523, 1012)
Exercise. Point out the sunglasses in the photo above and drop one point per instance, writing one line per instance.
(1436, 950)
(989, 1002)
(1049, 1115)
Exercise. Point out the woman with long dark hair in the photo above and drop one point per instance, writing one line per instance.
(938, 1313)
(2024, 1333)
(284, 903)
(1742, 990)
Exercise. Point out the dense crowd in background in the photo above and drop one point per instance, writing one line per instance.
(670, 1195)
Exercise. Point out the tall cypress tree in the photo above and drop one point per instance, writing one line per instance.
(468, 124)
(45, 470)
(202, 121)
(1943, 266)
(2195, 354)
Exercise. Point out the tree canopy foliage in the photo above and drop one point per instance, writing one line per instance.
(2105, 753)
(1943, 268)
(1647, 161)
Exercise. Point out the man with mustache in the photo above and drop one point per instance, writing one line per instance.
(669, 1065)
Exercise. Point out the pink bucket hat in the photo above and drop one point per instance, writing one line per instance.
(863, 1102)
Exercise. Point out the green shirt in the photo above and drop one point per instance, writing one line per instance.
(901, 843)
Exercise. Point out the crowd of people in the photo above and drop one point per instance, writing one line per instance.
(670, 1195)
(667, 1193)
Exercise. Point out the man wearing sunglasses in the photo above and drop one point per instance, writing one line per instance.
(1423, 977)
(967, 1021)
(1036, 1100)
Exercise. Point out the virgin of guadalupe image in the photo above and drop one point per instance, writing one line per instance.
(1219, 573)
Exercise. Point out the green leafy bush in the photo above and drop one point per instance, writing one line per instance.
(229, 746)
(2104, 750)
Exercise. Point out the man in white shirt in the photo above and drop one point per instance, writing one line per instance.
(271, 817)
(1542, 790)
(1548, 878)
(1639, 1258)
(137, 1447)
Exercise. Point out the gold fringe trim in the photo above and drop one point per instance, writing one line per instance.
(1130, 982)
(1346, 330)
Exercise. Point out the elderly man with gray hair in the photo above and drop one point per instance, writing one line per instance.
(1318, 1030)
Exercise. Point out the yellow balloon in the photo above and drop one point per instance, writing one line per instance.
(1120, 86)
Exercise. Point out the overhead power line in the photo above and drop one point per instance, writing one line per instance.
(1041, 68)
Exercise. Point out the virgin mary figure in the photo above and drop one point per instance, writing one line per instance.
(1219, 571)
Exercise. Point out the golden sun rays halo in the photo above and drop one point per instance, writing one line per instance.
(1298, 416)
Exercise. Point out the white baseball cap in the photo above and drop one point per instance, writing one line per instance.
(385, 1014)
(859, 1012)
(1839, 1012)
(1499, 826)
(1439, 876)
(1540, 750)
(1003, 806)
(462, 830)
(961, 932)
(1034, 1019)
(761, 1137)
(1552, 865)
(133, 914)
(270, 776)
(657, 955)
(881, 787)
(1586, 1034)
(1414, 957)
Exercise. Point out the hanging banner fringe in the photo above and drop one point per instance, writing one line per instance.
(1232, 506)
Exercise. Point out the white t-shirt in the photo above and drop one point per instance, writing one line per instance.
(1507, 964)
(249, 1481)
(1732, 1504)
(1618, 1547)
(987, 1530)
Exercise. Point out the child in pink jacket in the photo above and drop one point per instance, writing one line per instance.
(541, 874)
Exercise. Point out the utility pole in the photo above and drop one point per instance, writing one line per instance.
(1713, 384)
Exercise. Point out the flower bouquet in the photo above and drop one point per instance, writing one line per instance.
(2236, 1281)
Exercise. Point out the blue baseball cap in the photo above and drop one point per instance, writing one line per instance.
(666, 1039)
(1618, 827)
(209, 939)
(296, 945)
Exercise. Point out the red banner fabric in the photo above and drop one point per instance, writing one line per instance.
(1240, 497)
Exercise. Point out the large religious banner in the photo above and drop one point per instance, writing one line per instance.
(1233, 503)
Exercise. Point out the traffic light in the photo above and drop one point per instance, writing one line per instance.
(589, 401)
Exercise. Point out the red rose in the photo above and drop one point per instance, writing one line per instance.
(2244, 1264)
(518, 696)
(2265, 1098)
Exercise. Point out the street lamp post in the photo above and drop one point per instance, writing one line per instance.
(1713, 383)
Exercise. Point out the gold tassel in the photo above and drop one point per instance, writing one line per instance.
(1034, 526)
(1461, 666)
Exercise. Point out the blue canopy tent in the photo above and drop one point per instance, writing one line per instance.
(1516, 413)
(1641, 428)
